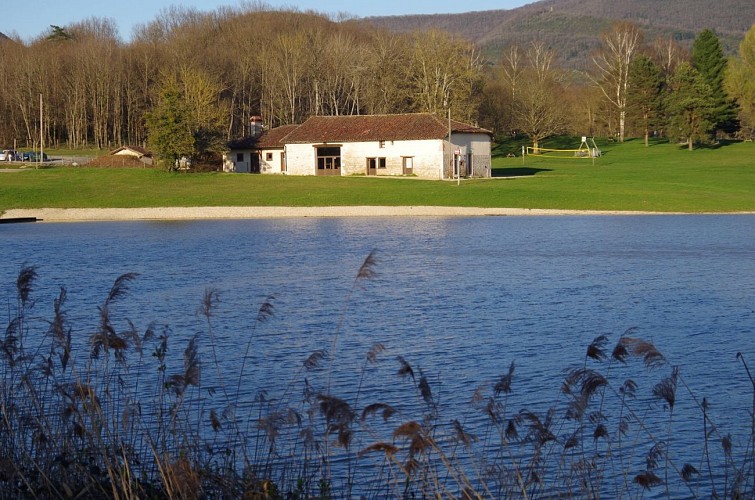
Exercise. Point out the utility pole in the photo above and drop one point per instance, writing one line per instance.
(454, 167)
(41, 134)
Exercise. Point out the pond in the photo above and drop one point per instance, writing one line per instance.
(456, 299)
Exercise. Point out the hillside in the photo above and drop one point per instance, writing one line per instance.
(574, 26)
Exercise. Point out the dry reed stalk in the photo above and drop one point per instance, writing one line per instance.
(366, 272)
(537, 455)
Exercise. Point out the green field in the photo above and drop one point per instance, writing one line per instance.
(661, 178)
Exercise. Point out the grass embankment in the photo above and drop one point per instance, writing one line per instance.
(661, 178)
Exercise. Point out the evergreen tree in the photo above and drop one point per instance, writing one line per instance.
(168, 126)
(644, 102)
(690, 105)
(58, 34)
(740, 82)
(708, 59)
(206, 111)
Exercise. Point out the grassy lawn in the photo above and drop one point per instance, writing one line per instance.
(90, 152)
(663, 178)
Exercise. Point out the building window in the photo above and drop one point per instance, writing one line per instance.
(374, 164)
(268, 156)
(407, 162)
(381, 144)
(328, 160)
(239, 156)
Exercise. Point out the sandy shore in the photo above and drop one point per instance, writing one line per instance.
(192, 213)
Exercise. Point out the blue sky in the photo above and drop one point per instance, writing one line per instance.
(31, 18)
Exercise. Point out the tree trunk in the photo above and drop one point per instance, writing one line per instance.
(622, 120)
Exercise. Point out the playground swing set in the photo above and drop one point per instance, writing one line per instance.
(586, 149)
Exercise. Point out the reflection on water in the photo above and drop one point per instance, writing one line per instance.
(458, 298)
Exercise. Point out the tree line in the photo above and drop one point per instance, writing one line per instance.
(634, 88)
(189, 81)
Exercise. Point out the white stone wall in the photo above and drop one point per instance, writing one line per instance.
(272, 166)
(479, 144)
(475, 149)
(300, 159)
(232, 164)
(427, 157)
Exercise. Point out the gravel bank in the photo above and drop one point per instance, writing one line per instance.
(191, 213)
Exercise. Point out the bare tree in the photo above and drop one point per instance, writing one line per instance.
(289, 55)
(281, 64)
(667, 54)
(444, 72)
(612, 63)
(538, 113)
(512, 66)
(386, 88)
(29, 83)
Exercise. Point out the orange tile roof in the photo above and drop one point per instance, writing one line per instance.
(273, 138)
(361, 128)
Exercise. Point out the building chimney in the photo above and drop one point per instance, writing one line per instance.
(256, 126)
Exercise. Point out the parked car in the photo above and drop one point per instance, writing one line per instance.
(33, 156)
(9, 155)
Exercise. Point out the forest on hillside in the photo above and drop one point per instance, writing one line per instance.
(575, 26)
(206, 73)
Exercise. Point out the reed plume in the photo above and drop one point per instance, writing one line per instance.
(266, 309)
(386, 411)
(314, 359)
(405, 368)
(387, 448)
(120, 287)
(367, 269)
(424, 389)
(627, 346)
(339, 417)
(648, 480)
(374, 352)
(596, 349)
(210, 302)
(460, 435)
(539, 431)
(666, 388)
(504, 383)
(418, 437)
(688, 471)
(25, 282)
(106, 338)
(192, 370)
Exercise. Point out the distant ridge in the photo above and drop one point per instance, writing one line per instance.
(573, 27)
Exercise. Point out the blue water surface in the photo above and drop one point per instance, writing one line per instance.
(459, 299)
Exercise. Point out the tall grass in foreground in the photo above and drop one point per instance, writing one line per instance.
(126, 420)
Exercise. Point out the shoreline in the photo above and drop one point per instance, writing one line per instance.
(221, 213)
